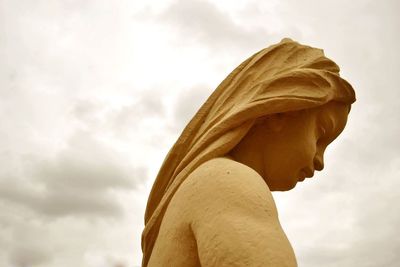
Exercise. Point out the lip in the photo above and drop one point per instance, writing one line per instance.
(302, 176)
(308, 172)
(305, 173)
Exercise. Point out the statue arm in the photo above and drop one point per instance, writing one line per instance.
(236, 222)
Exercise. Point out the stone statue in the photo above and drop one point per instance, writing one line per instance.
(264, 128)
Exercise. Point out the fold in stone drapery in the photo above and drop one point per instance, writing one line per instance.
(284, 77)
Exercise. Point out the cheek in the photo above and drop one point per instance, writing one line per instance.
(303, 154)
(287, 164)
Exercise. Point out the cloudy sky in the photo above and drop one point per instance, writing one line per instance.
(93, 94)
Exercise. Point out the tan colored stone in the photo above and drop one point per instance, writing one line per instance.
(264, 128)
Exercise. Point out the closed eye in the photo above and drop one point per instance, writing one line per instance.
(323, 137)
(322, 132)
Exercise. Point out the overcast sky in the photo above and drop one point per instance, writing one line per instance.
(93, 94)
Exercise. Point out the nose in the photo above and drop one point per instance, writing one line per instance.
(319, 162)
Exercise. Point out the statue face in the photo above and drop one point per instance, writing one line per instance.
(285, 149)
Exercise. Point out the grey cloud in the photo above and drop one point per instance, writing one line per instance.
(203, 23)
(87, 111)
(84, 205)
(28, 256)
(86, 164)
(82, 180)
(129, 117)
(56, 204)
(28, 246)
(187, 104)
(97, 116)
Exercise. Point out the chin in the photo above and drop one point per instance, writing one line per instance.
(282, 187)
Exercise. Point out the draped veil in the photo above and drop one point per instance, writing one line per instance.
(284, 77)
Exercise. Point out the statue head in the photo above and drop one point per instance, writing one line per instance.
(287, 90)
(285, 148)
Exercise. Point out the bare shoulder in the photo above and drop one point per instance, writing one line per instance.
(224, 172)
(227, 185)
(232, 216)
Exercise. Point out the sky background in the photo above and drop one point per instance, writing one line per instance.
(93, 94)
